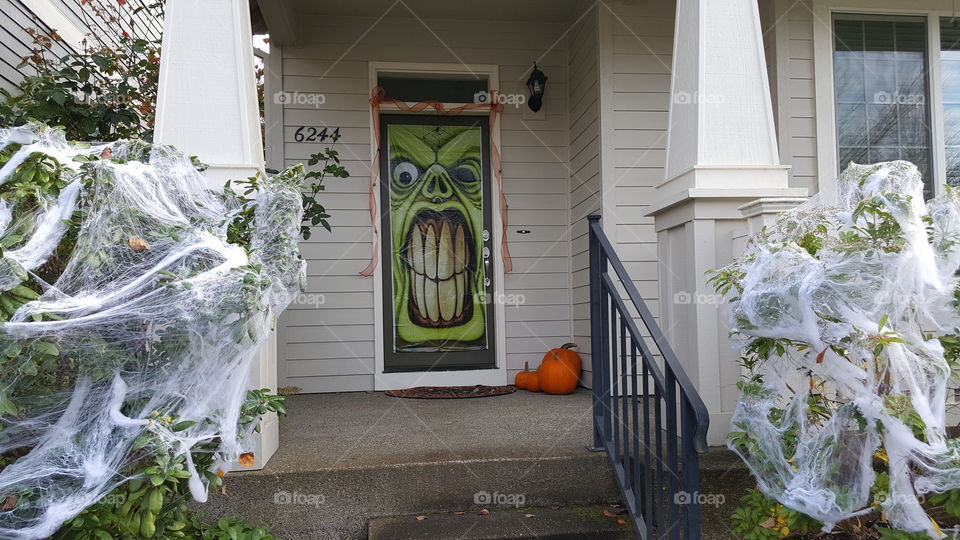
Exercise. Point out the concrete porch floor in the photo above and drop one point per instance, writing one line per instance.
(359, 429)
(346, 458)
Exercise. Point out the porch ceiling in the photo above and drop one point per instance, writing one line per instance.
(283, 19)
(524, 10)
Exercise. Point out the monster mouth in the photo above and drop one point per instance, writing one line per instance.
(439, 258)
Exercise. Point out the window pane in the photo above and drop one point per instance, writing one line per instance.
(880, 78)
(950, 74)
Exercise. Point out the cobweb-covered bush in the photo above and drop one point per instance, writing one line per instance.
(842, 311)
(134, 299)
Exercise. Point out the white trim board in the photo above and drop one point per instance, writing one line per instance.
(497, 376)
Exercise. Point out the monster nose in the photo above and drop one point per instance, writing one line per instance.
(436, 184)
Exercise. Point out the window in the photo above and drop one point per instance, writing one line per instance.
(881, 90)
(950, 77)
(447, 89)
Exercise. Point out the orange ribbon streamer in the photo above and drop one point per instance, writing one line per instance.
(379, 97)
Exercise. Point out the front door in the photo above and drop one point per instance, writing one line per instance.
(437, 244)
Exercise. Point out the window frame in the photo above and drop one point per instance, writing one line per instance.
(823, 43)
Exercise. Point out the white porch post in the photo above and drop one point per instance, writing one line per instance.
(721, 155)
(207, 107)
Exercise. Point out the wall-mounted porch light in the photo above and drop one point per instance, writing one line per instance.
(536, 85)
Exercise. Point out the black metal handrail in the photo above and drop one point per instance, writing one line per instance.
(647, 415)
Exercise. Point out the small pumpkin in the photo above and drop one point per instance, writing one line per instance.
(557, 376)
(522, 378)
(567, 356)
(533, 381)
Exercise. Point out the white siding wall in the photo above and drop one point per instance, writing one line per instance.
(331, 348)
(788, 28)
(636, 69)
(585, 185)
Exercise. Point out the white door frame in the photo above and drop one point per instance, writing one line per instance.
(497, 375)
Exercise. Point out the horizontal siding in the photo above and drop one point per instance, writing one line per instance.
(330, 347)
(798, 97)
(585, 169)
(16, 43)
(642, 47)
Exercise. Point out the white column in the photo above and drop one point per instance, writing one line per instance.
(207, 107)
(721, 154)
(207, 96)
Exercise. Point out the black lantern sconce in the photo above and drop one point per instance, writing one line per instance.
(536, 85)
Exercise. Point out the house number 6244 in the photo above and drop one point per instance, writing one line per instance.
(312, 134)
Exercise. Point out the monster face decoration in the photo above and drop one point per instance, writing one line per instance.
(436, 224)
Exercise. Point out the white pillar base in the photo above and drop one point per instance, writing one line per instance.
(703, 231)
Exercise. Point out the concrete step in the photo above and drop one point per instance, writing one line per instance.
(346, 458)
(556, 523)
(337, 503)
(724, 479)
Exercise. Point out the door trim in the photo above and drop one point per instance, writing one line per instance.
(495, 376)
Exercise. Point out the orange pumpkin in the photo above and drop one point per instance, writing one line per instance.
(533, 381)
(523, 378)
(557, 376)
(567, 356)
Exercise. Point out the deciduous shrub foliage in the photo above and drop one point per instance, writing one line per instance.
(132, 301)
(847, 313)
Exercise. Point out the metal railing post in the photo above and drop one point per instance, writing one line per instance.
(598, 264)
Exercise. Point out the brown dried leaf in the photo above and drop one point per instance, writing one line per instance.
(421, 518)
(621, 522)
(484, 512)
(529, 515)
(138, 244)
(246, 459)
(820, 356)
(459, 513)
(769, 523)
(10, 501)
(609, 513)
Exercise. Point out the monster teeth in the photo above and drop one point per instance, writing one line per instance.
(460, 250)
(437, 257)
(445, 254)
(447, 291)
(430, 299)
(418, 293)
(416, 251)
(460, 280)
(430, 252)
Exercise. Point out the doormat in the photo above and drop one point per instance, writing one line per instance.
(451, 392)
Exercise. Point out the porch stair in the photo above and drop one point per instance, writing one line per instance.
(553, 523)
(347, 458)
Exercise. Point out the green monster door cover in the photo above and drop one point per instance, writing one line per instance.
(436, 223)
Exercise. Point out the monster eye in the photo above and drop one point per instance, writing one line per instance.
(466, 171)
(464, 175)
(405, 173)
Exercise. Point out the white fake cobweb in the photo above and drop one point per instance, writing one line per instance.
(153, 311)
(830, 281)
